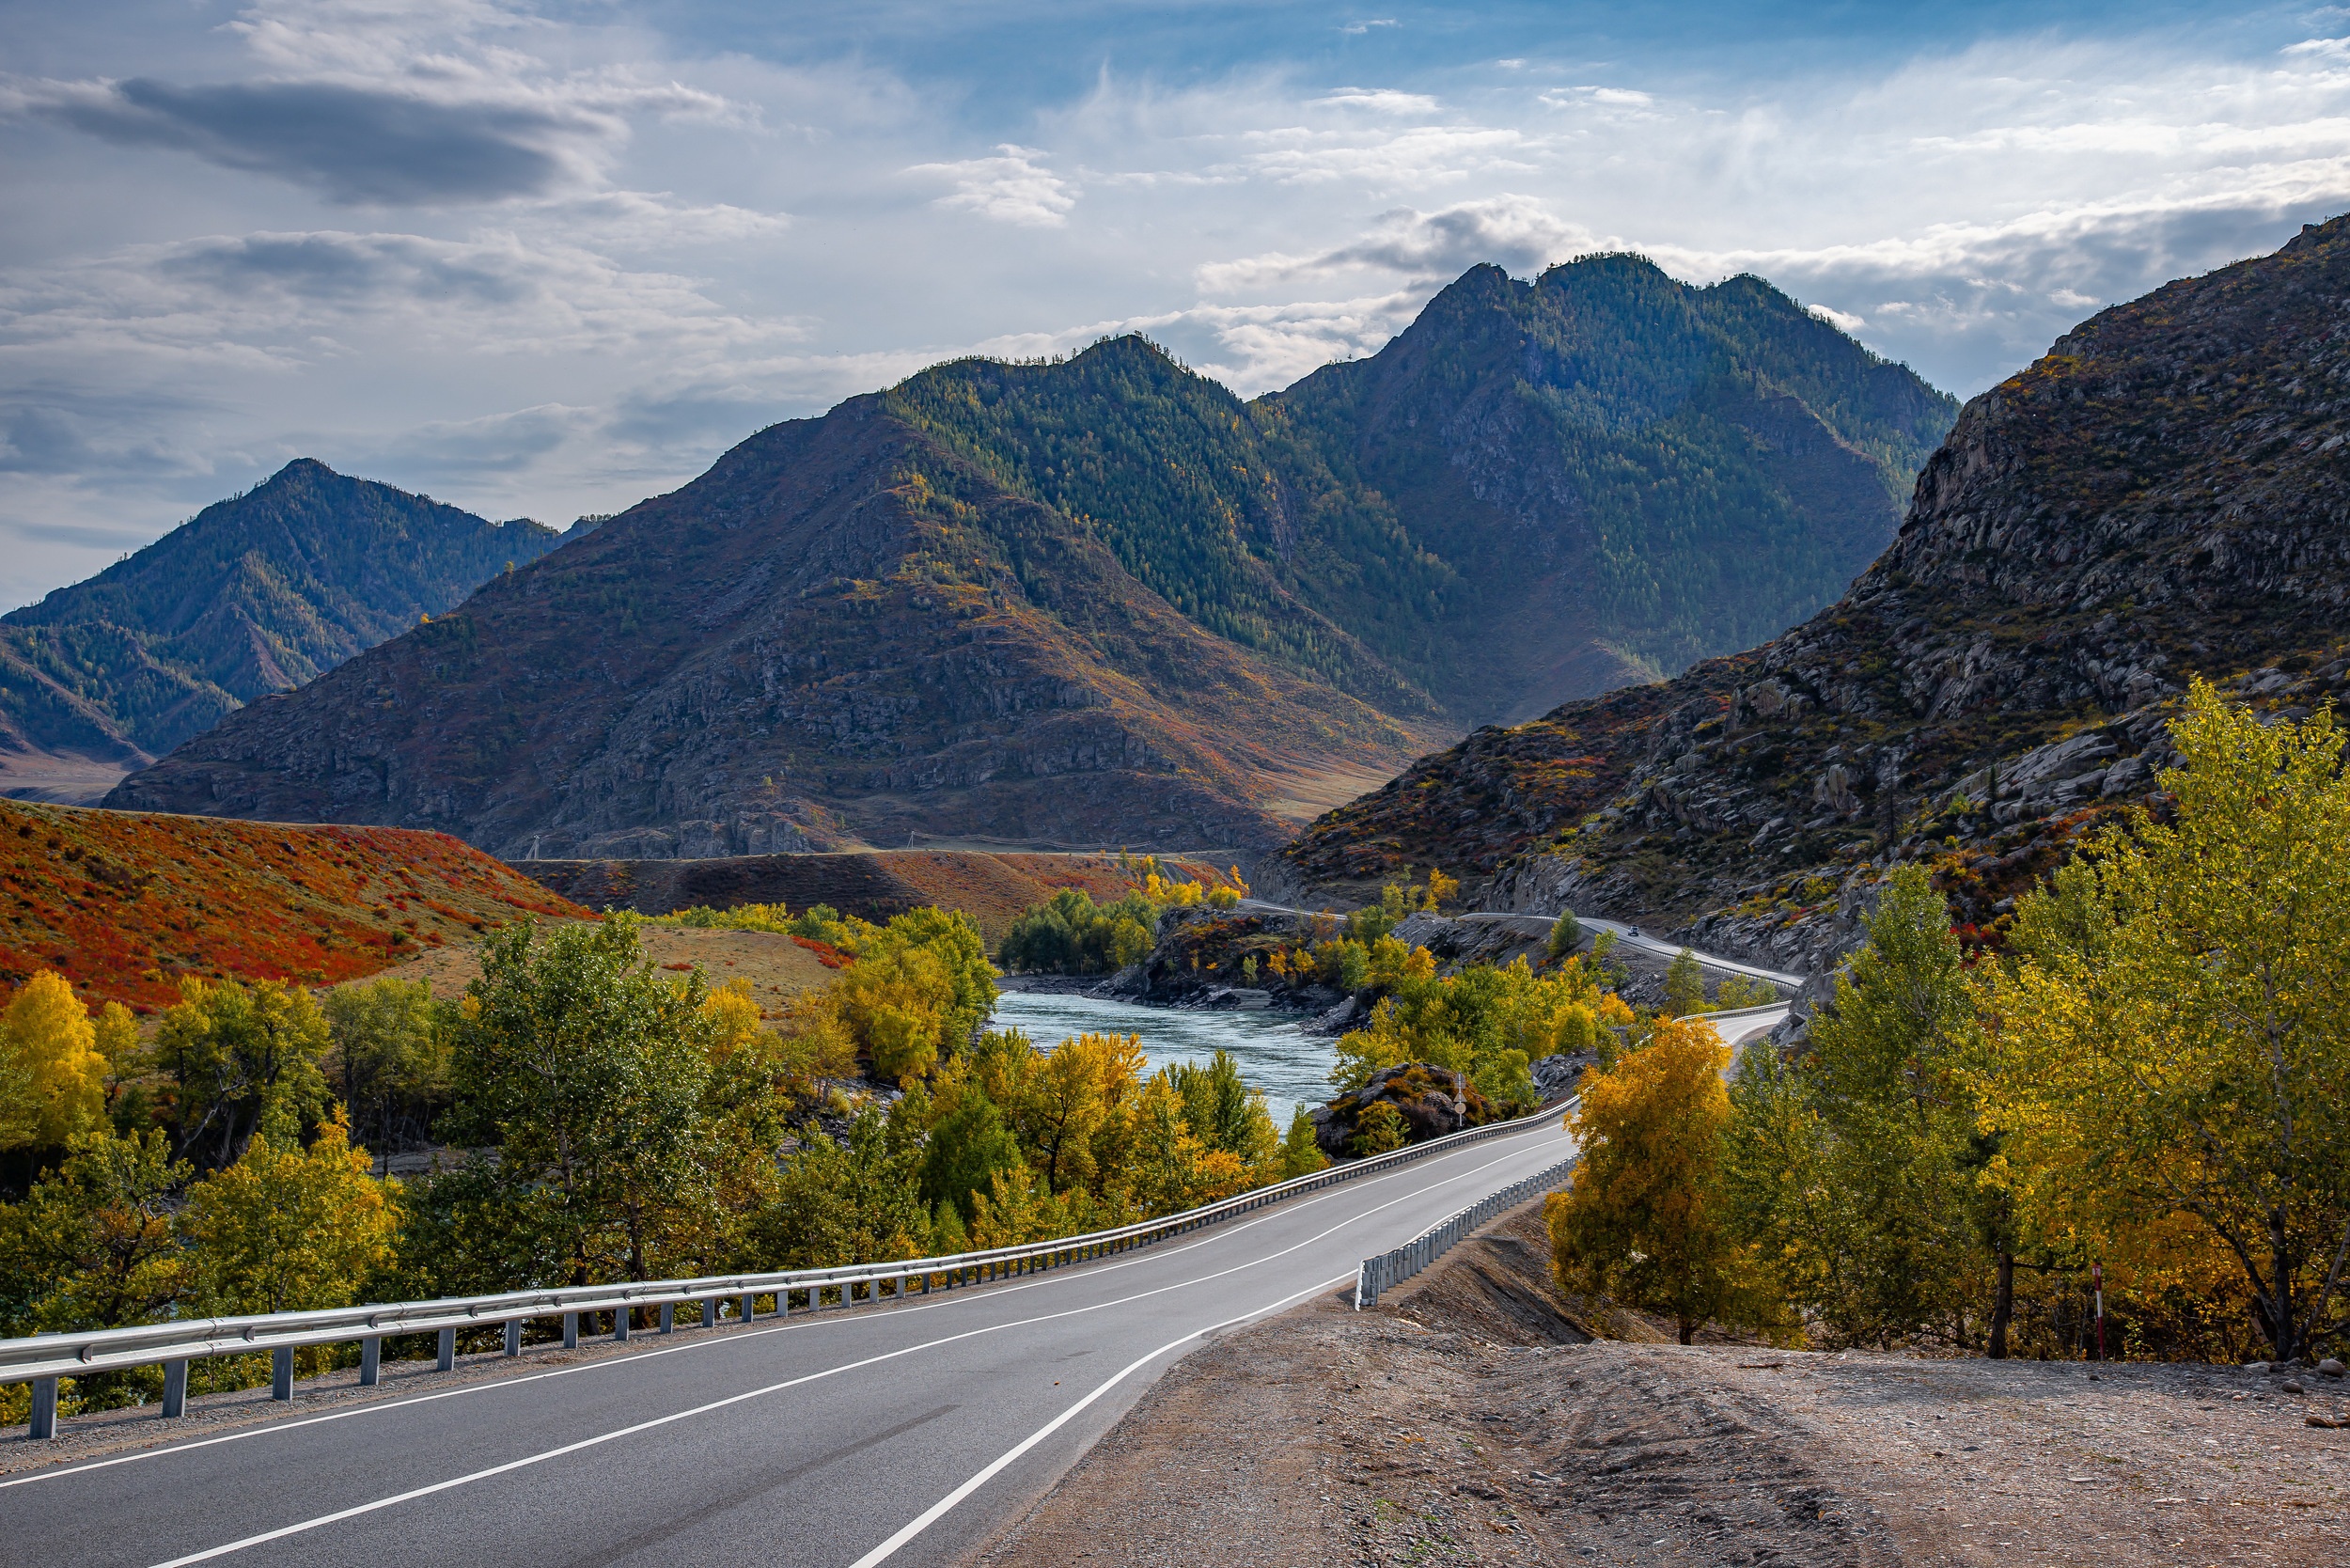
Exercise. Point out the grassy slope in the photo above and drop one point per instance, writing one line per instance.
(124, 904)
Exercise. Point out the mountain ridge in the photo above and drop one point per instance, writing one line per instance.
(2162, 494)
(255, 594)
(1091, 602)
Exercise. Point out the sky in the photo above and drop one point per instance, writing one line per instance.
(549, 258)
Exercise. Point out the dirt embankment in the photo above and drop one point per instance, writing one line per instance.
(1466, 1421)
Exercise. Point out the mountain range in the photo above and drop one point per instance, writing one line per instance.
(2162, 494)
(256, 595)
(1105, 600)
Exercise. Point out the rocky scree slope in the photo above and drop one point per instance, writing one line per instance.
(253, 595)
(2163, 493)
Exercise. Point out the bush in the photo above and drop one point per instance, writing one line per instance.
(1070, 935)
(1380, 1129)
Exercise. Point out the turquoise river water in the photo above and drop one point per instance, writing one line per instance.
(1275, 1054)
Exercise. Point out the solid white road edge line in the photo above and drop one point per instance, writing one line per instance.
(304, 1527)
(939, 1510)
(998, 1291)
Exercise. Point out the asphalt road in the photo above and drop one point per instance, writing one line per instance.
(827, 1440)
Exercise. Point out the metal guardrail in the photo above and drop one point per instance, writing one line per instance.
(44, 1358)
(1390, 1269)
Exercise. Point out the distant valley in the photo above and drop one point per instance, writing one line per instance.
(1105, 601)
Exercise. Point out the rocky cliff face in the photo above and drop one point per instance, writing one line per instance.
(2164, 494)
(253, 595)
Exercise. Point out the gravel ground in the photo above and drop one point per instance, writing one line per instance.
(1465, 1420)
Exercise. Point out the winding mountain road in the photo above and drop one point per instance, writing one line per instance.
(906, 1434)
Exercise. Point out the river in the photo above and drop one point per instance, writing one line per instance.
(1275, 1054)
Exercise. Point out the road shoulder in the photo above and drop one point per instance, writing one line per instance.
(1463, 1422)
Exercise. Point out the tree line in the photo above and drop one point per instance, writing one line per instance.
(596, 1119)
(2146, 1090)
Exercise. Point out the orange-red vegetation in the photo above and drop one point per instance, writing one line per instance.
(125, 903)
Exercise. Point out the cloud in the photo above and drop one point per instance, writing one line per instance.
(1385, 100)
(1356, 29)
(1010, 187)
(355, 144)
(1843, 321)
(1517, 232)
(1423, 156)
(493, 444)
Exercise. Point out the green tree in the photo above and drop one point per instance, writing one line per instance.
(236, 1053)
(1301, 1156)
(1856, 1166)
(1566, 936)
(857, 1200)
(92, 1245)
(1685, 985)
(589, 1072)
(1644, 1222)
(1222, 1111)
(967, 1147)
(2172, 1035)
(288, 1228)
(390, 1056)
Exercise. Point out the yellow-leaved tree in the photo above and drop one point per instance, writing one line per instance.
(58, 1077)
(288, 1228)
(2171, 1034)
(1644, 1222)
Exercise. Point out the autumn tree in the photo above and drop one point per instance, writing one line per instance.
(1301, 1154)
(236, 1053)
(53, 1078)
(288, 1228)
(1644, 1223)
(2172, 1034)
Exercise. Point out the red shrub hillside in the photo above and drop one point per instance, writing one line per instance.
(126, 903)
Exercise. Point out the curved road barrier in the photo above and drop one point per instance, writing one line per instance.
(44, 1358)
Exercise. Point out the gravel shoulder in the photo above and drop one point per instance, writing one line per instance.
(1466, 1421)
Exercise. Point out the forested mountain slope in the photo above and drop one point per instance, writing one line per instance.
(253, 595)
(1619, 474)
(1104, 602)
(2166, 493)
(841, 635)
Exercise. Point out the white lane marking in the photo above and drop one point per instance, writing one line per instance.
(324, 1519)
(939, 1510)
(998, 1292)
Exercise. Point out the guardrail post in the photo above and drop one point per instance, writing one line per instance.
(513, 1336)
(620, 1316)
(370, 1360)
(43, 1426)
(571, 1331)
(281, 1372)
(710, 1311)
(176, 1387)
(668, 1317)
(783, 1303)
(749, 1303)
(448, 1349)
